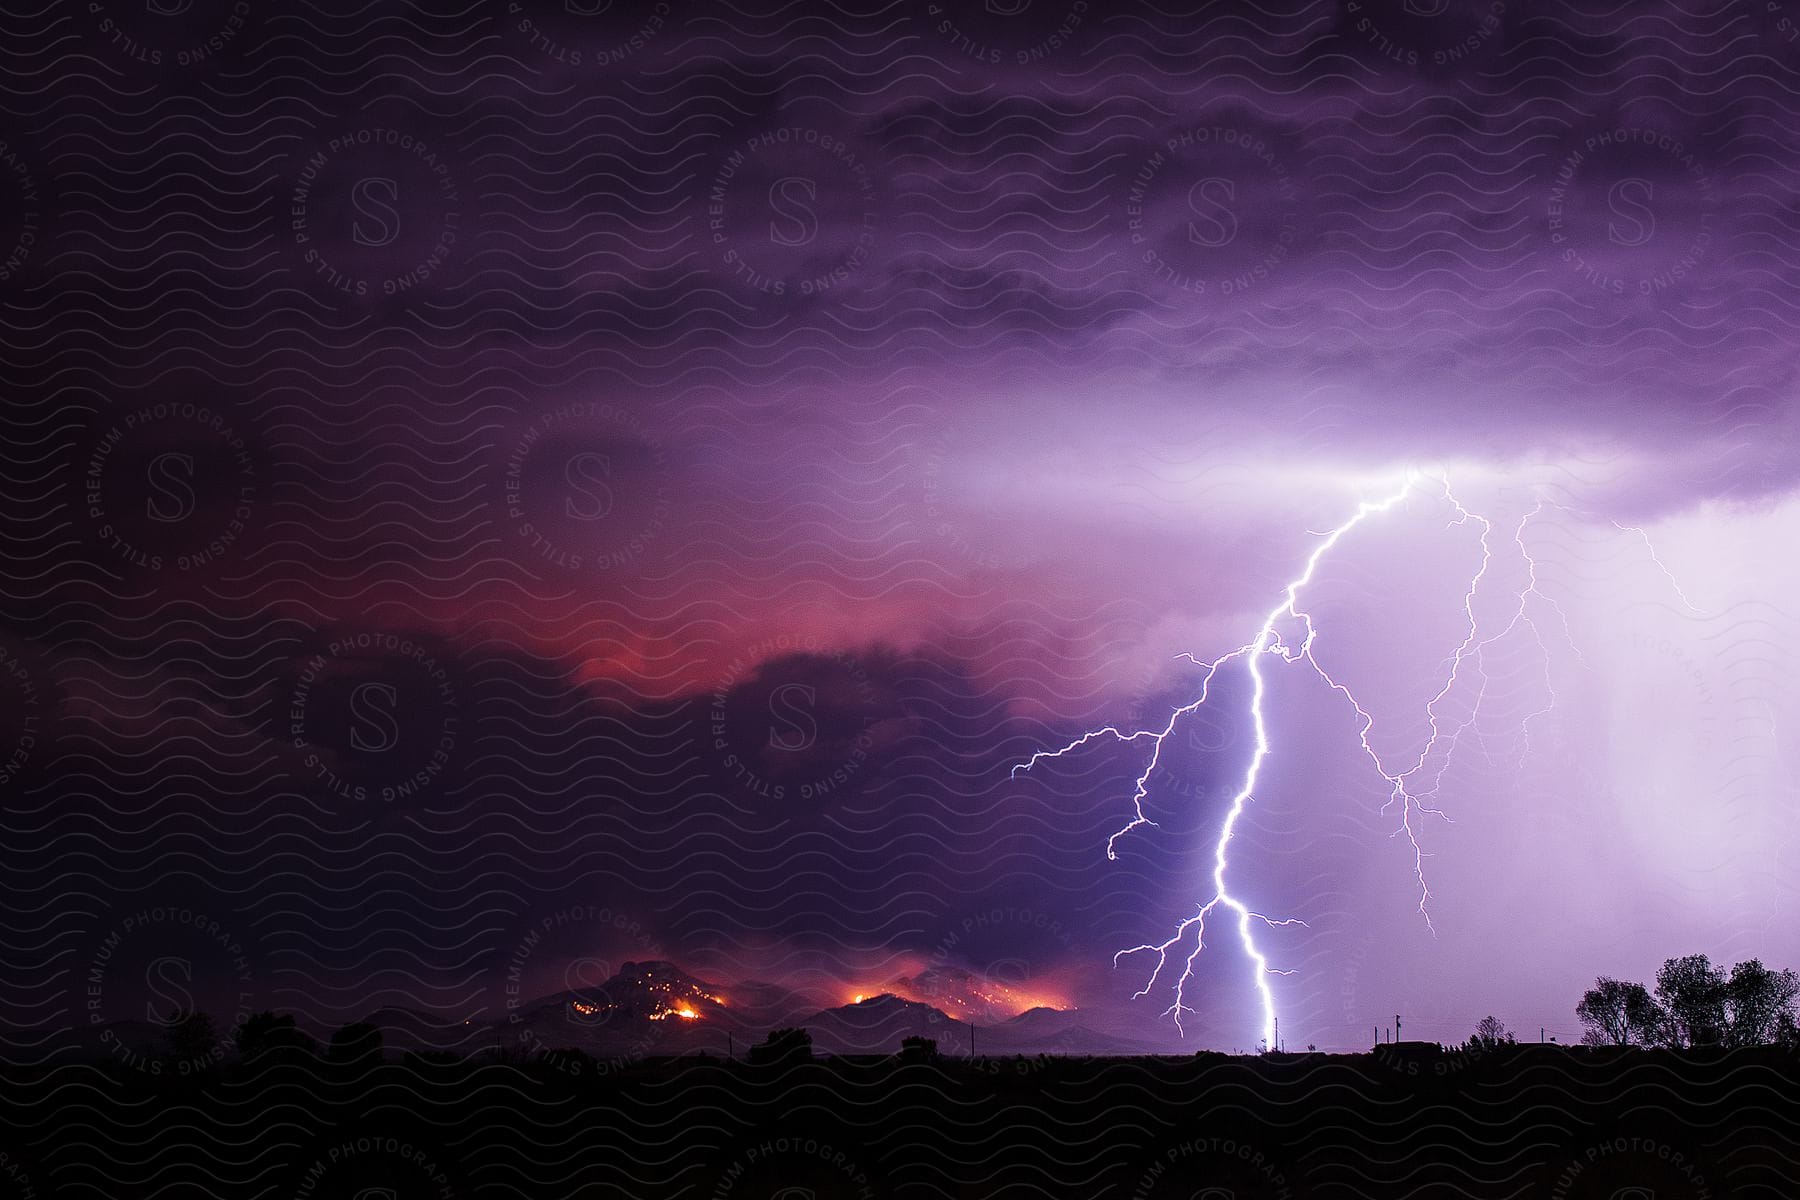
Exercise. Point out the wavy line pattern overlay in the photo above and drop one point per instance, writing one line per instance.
(539, 533)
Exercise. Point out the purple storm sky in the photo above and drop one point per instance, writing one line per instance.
(470, 483)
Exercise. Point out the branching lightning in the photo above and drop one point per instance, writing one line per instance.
(1412, 789)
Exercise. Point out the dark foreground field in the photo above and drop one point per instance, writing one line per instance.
(1537, 1122)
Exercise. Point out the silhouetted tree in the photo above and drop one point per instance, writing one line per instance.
(918, 1049)
(1618, 1013)
(1490, 1033)
(1692, 993)
(358, 1041)
(264, 1032)
(190, 1036)
(1757, 999)
(433, 1061)
(783, 1045)
(1696, 1004)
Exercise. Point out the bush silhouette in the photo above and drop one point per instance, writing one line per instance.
(783, 1045)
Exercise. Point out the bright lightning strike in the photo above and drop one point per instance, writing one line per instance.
(1428, 768)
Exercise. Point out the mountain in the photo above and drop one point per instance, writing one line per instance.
(761, 1005)
(1054, 1031)
(646, 1008)
(653, 991)
(967, 995)
(876, 1026)
(651, 1009)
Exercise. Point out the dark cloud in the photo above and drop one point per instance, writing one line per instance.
(465, 461)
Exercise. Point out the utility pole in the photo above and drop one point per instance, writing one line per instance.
(730, 1050)
(971, 1039)
(1277, 1046)
(1396, 1027)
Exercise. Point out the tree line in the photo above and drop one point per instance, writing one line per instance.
(1694, 1004)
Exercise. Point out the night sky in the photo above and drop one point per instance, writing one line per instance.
(645, 473)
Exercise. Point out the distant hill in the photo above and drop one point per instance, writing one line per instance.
(876, 1026)
(1054, 1031)
(656, 1008)
(967, 995)
(645, 1008)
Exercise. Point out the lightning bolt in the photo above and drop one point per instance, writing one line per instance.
(1411, 788)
